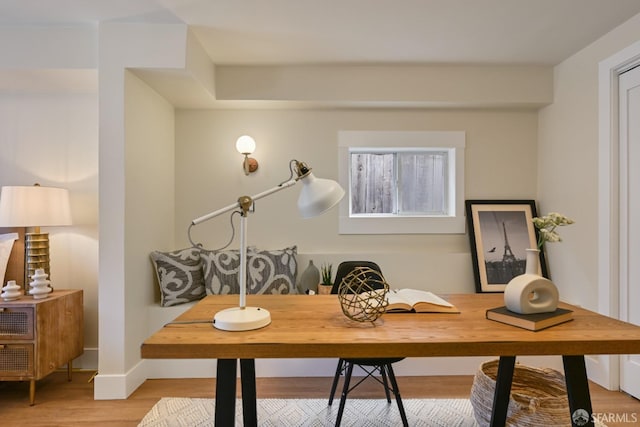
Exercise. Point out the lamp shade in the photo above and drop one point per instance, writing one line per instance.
(34, 206)
(318, 195)
(245, 145)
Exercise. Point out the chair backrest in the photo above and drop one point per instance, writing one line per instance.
(347, 267)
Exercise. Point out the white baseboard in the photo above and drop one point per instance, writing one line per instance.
(108, 387)
(604, 370)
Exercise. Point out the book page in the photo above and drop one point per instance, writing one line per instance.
(397, 302)
(414, 296)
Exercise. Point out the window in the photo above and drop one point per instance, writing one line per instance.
(397, 182)
(401, 182)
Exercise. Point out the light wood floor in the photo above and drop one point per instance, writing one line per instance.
(70, 404)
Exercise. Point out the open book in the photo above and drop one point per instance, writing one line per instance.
(417, 301)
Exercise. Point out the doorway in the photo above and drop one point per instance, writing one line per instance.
(613, 214)
(629, 217)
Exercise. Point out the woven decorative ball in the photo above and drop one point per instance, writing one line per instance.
(363, 294)
(538, 396)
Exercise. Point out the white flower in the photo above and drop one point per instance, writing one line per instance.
(546, 226)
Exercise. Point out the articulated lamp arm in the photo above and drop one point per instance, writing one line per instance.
(317, 196)
(244, 202)
(301, 170)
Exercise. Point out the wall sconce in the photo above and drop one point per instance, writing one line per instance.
(246, 145)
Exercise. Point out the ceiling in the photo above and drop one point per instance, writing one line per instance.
(357, 31)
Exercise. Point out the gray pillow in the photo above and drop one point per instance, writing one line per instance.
(220, 270)
(268, 272)
(179, 275)
(272, 271)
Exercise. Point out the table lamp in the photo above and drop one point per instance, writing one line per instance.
(34, 206)
(316, 197)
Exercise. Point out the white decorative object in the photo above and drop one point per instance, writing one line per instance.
(40, 285)
(11, 291)
(529, 292)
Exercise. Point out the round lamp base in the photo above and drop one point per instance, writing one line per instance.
(241, 319)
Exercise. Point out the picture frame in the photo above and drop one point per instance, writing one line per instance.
(500, 231)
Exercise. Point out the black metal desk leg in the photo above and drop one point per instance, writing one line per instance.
(575, 373)
(503, 390)
(225, 412)
(248, 378)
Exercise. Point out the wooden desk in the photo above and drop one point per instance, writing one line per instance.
(314, 326)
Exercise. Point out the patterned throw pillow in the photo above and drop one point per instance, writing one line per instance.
(273, 271)
(220, 270)
(268, 272)
(179, 275)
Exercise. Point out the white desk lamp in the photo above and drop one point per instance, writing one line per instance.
(316, 197)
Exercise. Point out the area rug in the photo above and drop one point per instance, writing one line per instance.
(185, 412)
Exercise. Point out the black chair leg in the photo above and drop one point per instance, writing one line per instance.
(335, 380)
(396, 392)
(383, 374)
(345, 390)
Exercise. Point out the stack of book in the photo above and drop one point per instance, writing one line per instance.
(532, 322)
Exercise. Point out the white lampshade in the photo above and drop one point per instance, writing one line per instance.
(318, 195)
(34, 206)
(245, 145)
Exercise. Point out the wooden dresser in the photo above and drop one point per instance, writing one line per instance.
(40, 336)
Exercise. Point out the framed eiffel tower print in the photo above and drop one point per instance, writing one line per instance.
(500, 231)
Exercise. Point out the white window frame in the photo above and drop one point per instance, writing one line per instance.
(451, 141)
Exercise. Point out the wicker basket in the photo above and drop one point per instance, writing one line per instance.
(538, 396)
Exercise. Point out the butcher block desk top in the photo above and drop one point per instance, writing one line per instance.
(314, 326)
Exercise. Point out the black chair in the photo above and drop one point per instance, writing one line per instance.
(371, 366)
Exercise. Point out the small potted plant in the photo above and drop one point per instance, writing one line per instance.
(325, 286)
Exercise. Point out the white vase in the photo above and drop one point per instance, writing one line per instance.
(40, 285)
(531, 293)
(11, 292)
(532, 265)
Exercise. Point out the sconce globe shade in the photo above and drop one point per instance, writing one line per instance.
(318, 196)
(34, 206)
(245, 145)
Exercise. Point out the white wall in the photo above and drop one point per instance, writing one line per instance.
(569, 181)
(149, 200)
(60, 47)
(136, 146)
(500, 163)
(49, 134)
(417, 85)
(52, 139)
(568, 164)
